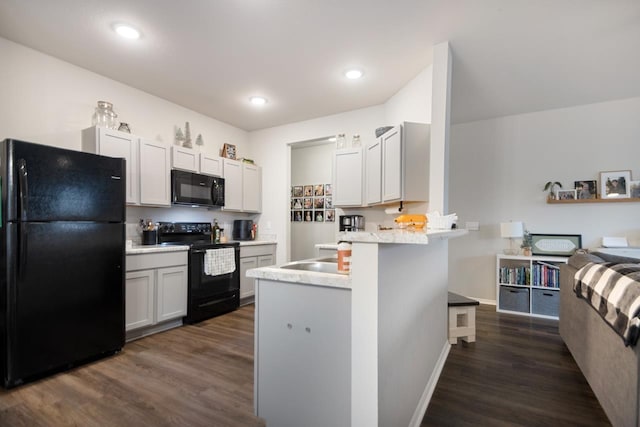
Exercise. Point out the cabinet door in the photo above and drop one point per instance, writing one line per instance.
(184, 159)
(210, 165)
(347, 180)
(120, 144)
(251, 188)
(232, 170)
(373, 180)
(155, 179)
(139, 294)
(266, 260)
(303, 349)
(171, 293)
(247, 284)
(392, 161)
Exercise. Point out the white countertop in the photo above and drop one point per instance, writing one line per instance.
(257, 242)
(149, 249)
(399, 236)
(302, 277)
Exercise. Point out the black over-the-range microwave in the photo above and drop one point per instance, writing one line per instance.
(188, 188)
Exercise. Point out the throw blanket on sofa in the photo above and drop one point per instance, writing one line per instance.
(614, 291)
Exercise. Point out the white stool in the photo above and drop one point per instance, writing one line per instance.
(462, 318)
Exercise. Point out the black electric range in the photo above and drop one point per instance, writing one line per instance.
(208, 295)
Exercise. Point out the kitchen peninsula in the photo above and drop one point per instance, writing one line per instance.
(364, 349)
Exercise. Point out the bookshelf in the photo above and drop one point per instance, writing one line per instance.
(612, 200)
(528, 285)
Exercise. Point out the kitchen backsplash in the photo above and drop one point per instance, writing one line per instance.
(181, 214)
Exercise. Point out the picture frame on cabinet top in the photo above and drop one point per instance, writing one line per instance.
(229, 151)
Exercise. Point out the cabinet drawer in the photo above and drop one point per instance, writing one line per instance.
(257, 250)
(158, 260)
(514, 299)
(545, 302)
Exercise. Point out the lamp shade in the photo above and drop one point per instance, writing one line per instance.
(511, 229)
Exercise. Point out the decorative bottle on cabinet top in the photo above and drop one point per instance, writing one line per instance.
(104, 115)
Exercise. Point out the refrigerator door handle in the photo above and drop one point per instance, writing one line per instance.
(23, 189)
(22, 249)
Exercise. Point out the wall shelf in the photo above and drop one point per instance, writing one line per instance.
(612, 200)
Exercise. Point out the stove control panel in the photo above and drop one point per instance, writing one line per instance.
(185, 228)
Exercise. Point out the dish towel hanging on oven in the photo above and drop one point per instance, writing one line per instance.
(219, 261)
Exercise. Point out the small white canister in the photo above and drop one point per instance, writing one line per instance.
(344, 257)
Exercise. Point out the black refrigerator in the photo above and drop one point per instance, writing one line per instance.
(62, 279)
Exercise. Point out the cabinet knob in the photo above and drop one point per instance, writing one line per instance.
(289, 325)
(308, 329)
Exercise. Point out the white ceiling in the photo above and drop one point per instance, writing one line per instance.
(509, 56)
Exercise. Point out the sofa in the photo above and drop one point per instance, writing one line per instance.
(611, 368)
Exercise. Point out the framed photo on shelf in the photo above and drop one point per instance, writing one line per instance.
(555, 244)
(615, 184)
(586, 189)
(566, 194)
(635, 189)
(229, 151)
(297, 191)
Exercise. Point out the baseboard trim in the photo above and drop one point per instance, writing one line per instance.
(423, 403)
(485, 301)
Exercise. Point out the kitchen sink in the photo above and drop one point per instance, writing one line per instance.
(320, 266)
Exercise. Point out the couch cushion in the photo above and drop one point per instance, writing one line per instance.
(582, 258)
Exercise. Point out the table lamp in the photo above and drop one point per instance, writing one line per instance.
(511, 230)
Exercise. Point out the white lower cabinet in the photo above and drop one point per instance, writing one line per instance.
(156, 292)
(253, 256)
(303, 354)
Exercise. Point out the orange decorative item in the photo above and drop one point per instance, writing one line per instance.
(344, 257)
(412, 222)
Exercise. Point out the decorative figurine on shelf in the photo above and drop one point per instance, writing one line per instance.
(179, 137)
(199, 141)
(187, 136)
(527, 242)
(551, 186)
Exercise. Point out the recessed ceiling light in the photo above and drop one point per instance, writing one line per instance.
(353, 74)
(258, 100)
(127, 31)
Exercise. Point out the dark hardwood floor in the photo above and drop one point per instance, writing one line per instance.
(198, 375)
(518, 373)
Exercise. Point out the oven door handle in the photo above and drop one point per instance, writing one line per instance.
(198, 251)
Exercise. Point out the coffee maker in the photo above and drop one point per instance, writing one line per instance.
(351, 223)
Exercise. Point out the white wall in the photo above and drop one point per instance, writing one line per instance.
(311, 165)
(270, 148)
(50, 101)
(498, 168)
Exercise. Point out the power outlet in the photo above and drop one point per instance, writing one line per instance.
(472, 225)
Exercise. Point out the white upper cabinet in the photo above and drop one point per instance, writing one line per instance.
(155, 173)
(397, 165)
(184, 159)
(392, 165)
(373, 162)
(251, 188)
(232, 171)
(242, 186)
(347, 177)
(187, 159)
(210, 165)
(112, 143)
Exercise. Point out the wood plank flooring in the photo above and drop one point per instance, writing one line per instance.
(518, 373)
(197, 375)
